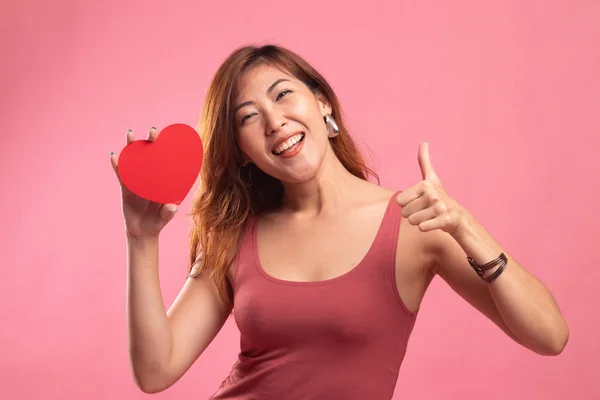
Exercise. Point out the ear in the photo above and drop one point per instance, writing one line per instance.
(324, 104)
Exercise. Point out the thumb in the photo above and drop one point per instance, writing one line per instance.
(167, 212)
(427, 171)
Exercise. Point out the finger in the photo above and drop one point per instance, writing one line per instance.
(422, 216)
(410, 194)
(130, 136)
(427, 171)
(113, 162)
(115, 167)
(152, 134)
(167, 212)
(418, 204)
(432, 224)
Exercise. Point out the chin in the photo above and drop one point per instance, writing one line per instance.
(302, 172)
(302, 168)
(299, 178)
(298, 174)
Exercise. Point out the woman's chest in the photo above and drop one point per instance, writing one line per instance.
(318, 249)
(331, 250)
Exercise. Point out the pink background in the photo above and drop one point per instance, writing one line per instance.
(507, 92)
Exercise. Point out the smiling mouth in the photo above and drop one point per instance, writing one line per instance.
(289, 144)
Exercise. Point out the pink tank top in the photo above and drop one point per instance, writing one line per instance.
(342, 338)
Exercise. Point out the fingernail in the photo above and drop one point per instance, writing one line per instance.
(111, 153)
(152, 128)
(129, 131)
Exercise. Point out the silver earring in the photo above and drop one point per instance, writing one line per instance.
(334, 128)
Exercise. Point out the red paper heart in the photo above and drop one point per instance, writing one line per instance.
(165, 170)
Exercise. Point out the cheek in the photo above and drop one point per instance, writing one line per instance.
(252, 147)
(307, 110)
(246, 143)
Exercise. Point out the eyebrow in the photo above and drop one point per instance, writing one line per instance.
(269, 90)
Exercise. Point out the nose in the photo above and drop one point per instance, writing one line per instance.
(275, 121)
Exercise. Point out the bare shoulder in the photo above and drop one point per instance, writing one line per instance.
(374, 194)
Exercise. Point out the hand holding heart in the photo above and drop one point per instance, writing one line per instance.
(143, 218)
(427, 204)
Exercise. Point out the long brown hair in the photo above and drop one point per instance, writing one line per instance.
(229, 192)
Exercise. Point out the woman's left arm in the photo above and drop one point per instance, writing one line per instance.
(516, 301)
(524, 303)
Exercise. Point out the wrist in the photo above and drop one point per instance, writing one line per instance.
(484, 255)
(466, 228)
(141, 241)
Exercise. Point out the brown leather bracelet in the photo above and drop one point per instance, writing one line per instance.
(480, 269)
(496, 273)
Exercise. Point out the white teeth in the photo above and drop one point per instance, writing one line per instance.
(288, 143)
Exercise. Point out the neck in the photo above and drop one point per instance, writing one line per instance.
(325, 191)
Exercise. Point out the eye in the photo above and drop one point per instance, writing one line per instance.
(245, 117)
(280, 95)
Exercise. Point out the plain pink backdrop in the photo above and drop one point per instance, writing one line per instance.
(507, 93)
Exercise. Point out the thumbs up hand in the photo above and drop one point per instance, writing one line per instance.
(427, 204)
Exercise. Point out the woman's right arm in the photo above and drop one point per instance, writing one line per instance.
(163, 346)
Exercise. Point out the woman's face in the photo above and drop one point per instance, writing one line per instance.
(280, 124)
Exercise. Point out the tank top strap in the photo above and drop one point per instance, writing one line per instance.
(395, 213)
(387, 236)
(245, 262)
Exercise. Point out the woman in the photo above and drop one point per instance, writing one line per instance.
(325, 270)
